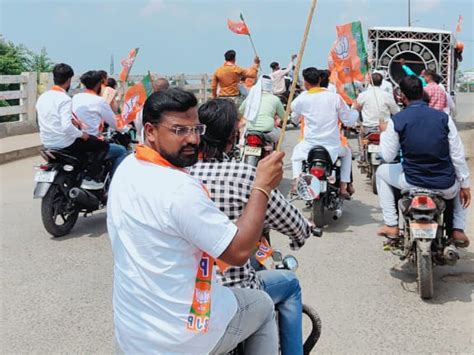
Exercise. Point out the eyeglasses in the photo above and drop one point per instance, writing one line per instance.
(183, 131)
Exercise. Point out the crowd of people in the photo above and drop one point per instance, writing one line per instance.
(181, 212)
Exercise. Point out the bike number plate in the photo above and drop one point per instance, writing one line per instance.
(45, 176)
(424, 230)
(373, 148)
(257, 151)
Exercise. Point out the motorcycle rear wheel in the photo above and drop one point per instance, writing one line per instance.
(318, 213)
(53, 208)
(251, 160)
(373, 179)
(313, 337)
(424, 266)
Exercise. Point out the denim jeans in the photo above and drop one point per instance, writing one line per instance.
(254, 322)
(117, 153)
(284, 289)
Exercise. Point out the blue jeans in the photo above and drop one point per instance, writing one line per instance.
(117, 153)
(284, 289)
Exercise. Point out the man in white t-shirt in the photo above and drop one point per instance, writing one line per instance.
(93, 110)
(166, 234)
(322, 110)
(60, 130)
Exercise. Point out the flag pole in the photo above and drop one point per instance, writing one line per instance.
(296, 74)
(250, 36)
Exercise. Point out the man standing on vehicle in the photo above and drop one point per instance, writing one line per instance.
(166, 234)
(278, 76)
(227, 78)
(437, 95)
(322, 111)
(92, 110)
(230, 184)
(58, 128)
(433, 158)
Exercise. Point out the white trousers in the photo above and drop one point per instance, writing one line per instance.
(300, 153)
(391, 175)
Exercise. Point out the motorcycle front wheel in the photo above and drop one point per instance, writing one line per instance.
(424, 266)
(318, 212)
(313, 337)
(58, 216)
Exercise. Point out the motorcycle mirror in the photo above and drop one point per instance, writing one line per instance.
(277, 256)
(308, 187)
(290, 263)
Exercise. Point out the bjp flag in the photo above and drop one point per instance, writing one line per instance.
(348, 59)
(134, 100)
(127, 64)
(239, 28)
(458, 26)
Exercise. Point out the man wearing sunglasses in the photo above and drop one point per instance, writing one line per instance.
(166, 235)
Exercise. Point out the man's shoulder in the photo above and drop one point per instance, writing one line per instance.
(52, 95)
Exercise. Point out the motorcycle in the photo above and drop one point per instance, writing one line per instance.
(268, 258)
(424, 239)
(60, 184)
(371, 158)
(319, 185)
(256, 147)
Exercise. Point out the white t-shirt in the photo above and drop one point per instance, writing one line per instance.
(376, 104)
(160, 220)
(92, 109)
(321, 111)
(55, 120)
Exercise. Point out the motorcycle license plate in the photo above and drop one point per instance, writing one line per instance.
(257, 151)
(45, 176)
(373, 148)
(424, 230)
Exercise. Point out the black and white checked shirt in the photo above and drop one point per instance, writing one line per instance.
(230, 184)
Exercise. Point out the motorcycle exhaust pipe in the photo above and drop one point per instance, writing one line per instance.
(451, 254)
(337, 214)
(84, 198)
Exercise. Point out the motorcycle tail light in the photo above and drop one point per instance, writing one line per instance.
(254, 141)
(44, 167)
(423, 202)
(374, 137)
(317, 171)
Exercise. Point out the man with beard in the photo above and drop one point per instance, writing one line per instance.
(58, 128)
(166, 234)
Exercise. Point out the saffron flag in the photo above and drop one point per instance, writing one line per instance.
(238, 27)
(458, 27)
(134, 100)
(348, 60)
(127, 64)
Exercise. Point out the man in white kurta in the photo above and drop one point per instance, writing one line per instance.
(322, 111)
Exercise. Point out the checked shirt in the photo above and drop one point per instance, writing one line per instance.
(230, 184)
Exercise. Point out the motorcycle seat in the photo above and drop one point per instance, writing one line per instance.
(412, 191)
(319, 153)
(256, 133)
(59, 155)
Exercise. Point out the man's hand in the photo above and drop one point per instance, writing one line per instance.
(357, 106)
(256, 60)
(465, 196)
(402, 61)
(383, 125)
(85, 136)
(293, 57)
(270, 171)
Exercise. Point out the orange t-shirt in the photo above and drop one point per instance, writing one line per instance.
(227, 77)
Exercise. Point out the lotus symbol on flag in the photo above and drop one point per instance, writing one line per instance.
(202, 297)
(342, 47)
(130, 105)
(127, 63)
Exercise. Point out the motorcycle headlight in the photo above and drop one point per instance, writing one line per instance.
(68, 168)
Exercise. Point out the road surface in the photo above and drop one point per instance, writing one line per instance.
(56, 293)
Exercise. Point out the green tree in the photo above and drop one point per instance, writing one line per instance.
(40, 62)
(13, 59)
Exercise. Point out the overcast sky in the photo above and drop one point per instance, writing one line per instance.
(191, 36)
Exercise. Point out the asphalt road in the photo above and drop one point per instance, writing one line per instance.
(56, 293)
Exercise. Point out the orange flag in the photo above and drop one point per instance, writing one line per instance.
(127, 64)
(458, 27)
(238, 27)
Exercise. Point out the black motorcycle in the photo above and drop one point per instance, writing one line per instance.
(424, 237)
(256, 147)
(319, 185)
(60, 183)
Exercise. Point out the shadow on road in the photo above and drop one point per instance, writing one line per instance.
(464, 126)
(356, 213)
(91, 227)
(451, 284)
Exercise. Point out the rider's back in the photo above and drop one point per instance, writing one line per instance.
(423, 134)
